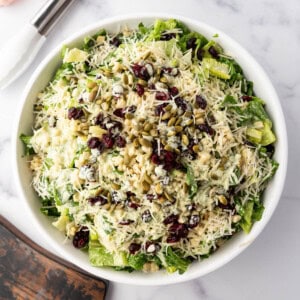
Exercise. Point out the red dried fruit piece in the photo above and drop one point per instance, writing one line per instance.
(171, 219)
(119, 112)
(163, 96)
(81, 238)
(120, 141)
(201, 102)
(93, 143)
(97, 200)
(140, 89)
(174, 91)
(107, 141)
(134, 247)
(75, 113)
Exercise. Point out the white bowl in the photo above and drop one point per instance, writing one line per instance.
(234, 246)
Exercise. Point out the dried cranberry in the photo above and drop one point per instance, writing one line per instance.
(213, 52)
(167, 36)
(155, 159)
(146, 216)
(132, 204)
(171, 219)
(173, 239)
(201, 102)
(120, 141)
(134, 247)
(181, 103)
(200, 54)
(194, 221)
(125, 222)
(174, 91)
(191, 43)
(119, 112)
(140, 89)
(93, 143)
(206, 128)
(107, 141)
(116, 42)
(159, 109)
(166, 158)
(99, 119)
(75, 113)
(179, 229)
(81, 238)
(140, 72)
(162, 96)
(150, 197)
(97, 200)
(246, 98)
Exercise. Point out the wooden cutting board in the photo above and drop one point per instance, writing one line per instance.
(27, 271)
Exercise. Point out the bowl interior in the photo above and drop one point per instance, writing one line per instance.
(263, 88)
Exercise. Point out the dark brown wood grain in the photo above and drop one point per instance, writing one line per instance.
(27, 271)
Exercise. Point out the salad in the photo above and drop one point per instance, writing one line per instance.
(149, 148)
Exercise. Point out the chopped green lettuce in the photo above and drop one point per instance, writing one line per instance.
(175, 262)
(100, 257)
(26, 139)
(250, 212)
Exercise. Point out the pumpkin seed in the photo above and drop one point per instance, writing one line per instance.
(148, 178)
(189, 122)
(145, 142)
(146, 186)
(136, 142)
(222, 199)
(171, 133)
(129, 116)
(148, 127)
(163, 79)
(178, 128)
(125, 78)
(153, 132)
(168, 196)
(187, 114)
(168, 107)
(168, 148)
(142, 82)
(185, 140)
(166, 116)
(93, 94)
(196, 148)
(91, 84)
(179, 120)
(158, 189)
(172, 121)
(115, 186)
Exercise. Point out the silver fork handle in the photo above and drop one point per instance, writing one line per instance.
(49, 14)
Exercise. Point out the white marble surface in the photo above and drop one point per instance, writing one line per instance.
(270, 30)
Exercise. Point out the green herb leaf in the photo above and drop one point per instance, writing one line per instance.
(191, 182)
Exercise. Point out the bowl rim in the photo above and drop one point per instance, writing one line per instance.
(170, 279)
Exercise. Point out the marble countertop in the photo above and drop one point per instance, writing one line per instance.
(270, 30)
